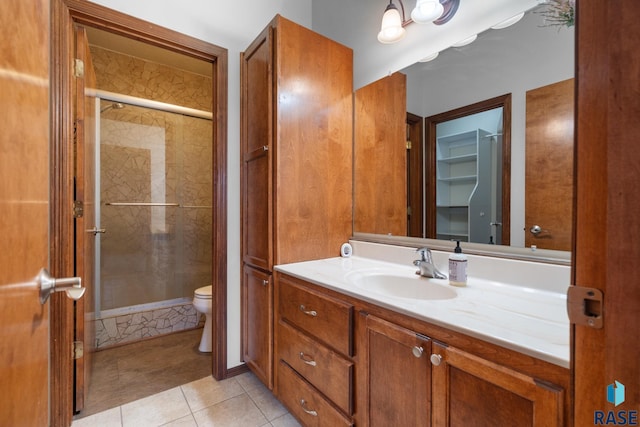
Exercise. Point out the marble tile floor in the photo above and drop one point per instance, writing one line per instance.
(241, 401)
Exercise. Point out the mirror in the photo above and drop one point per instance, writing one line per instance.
(514, 60)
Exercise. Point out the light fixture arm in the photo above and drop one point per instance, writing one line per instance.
(405, 21)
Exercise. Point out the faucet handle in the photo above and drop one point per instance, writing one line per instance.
(425, 254)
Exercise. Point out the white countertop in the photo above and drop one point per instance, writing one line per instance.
(528, 320)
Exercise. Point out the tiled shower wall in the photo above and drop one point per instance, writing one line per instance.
(147, 323)
(153, 254)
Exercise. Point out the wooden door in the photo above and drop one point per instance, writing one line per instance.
(85, 196)
(380, 175)
(606, 249)
(398, 380)
(549, 166)
(24, 213)
(469, 391)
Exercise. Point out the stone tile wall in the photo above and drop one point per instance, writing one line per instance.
(131, 327)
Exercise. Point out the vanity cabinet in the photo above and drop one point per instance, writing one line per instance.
(397, 380)
(413, 380)
(469, 390)
(296, 156)
(463, 186)
(314, 344)
(343, 361)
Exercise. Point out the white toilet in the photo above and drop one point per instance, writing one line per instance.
(202, 304)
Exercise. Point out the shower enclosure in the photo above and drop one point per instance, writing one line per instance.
(155, 206)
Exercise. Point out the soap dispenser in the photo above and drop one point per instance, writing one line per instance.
(458, 267)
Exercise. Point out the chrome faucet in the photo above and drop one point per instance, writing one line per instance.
(425, 263)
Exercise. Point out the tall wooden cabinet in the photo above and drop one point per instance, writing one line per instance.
(296, 156)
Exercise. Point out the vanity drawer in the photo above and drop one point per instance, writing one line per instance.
(328, 371)
(324, 317)
(306, 403)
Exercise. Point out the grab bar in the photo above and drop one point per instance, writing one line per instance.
(139, 204)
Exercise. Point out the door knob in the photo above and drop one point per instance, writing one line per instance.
(48, 285)
(536, 230)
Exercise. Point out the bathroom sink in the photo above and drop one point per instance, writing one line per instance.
(400, 285)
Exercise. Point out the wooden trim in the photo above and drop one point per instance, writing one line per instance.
(430, 159)
(237, 370)
(415, 176)
(62, 222)
(66, 13)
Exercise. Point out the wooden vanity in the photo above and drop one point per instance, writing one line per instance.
(341, 361)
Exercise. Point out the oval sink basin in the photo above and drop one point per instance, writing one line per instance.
(401, 286)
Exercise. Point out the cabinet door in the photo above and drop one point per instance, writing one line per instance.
(470, 391)
(398, 380)
(256, 147)
(257, 323)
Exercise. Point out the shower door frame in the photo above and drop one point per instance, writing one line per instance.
(103, 95)
(65, 14)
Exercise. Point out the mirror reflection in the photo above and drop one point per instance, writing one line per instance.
(395, 124)
(468, 177)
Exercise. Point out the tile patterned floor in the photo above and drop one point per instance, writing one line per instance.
(241, 401)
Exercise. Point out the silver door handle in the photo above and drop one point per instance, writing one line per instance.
(536, 229)
(48, 285)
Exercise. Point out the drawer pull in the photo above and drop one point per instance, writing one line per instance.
(307, 359)
(303, 403)
(311, 313)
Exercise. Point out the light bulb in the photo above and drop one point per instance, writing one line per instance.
(391, 29)
(426, 11)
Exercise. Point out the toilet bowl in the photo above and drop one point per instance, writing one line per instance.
(202, 304)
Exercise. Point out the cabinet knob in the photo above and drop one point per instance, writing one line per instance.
(417, 351)
(311, 313)
(436, 359)
(265, 282)
(303, 403)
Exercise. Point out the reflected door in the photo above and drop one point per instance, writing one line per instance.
(549, 148)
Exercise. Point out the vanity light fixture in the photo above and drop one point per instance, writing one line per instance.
(426, 11)
(508, 22)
